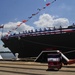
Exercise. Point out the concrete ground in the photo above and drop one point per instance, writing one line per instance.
(32, 68)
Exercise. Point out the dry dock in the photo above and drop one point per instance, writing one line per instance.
(32, 68)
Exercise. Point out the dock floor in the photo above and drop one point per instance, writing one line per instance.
(32, 68)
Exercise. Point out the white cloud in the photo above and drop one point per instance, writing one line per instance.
(24, 27)
(61, 22)
(47, 20)
(12, 25)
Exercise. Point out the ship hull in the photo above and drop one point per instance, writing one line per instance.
(31, 46)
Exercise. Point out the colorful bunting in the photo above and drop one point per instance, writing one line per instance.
(44, 7)
(19, 24)
(30, 17)
(47, 4)
(24, 21)
(37, 13)
(53, 1)
(33, 14)
(39, 9)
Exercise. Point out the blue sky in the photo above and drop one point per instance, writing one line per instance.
(17, 10)
(13, 12)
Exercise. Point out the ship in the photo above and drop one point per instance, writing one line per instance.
(32, 43)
